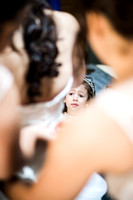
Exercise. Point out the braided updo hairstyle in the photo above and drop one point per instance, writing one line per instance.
(40, 39)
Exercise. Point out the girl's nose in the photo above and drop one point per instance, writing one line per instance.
(75, 98)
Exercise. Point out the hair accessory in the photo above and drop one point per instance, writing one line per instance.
(90, 82)
(6, 80)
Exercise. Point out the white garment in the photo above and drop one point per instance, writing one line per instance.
(6, 81)
(46, 114)
(94, 189)
(118, 104)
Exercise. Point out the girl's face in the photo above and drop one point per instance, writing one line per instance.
(76, 99)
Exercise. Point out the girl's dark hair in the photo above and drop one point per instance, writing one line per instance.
(40, 39)
(89, 86)
(119, 12)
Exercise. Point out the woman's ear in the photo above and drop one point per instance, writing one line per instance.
(96, 24)
(100, 33)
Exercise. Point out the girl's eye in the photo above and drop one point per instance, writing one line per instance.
(81, 95)
(70, 93)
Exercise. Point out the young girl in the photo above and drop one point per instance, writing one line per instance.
(76, 100)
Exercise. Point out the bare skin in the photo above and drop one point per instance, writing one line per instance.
(57, 168)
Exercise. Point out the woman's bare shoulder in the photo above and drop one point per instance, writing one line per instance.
(64, 20)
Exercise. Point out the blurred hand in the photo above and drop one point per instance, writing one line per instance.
(29, 135)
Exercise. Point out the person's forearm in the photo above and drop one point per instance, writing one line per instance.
(85, 145)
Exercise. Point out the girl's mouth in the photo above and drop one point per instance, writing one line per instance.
(74, 104)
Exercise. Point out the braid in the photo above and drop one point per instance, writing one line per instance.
(40, 43)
